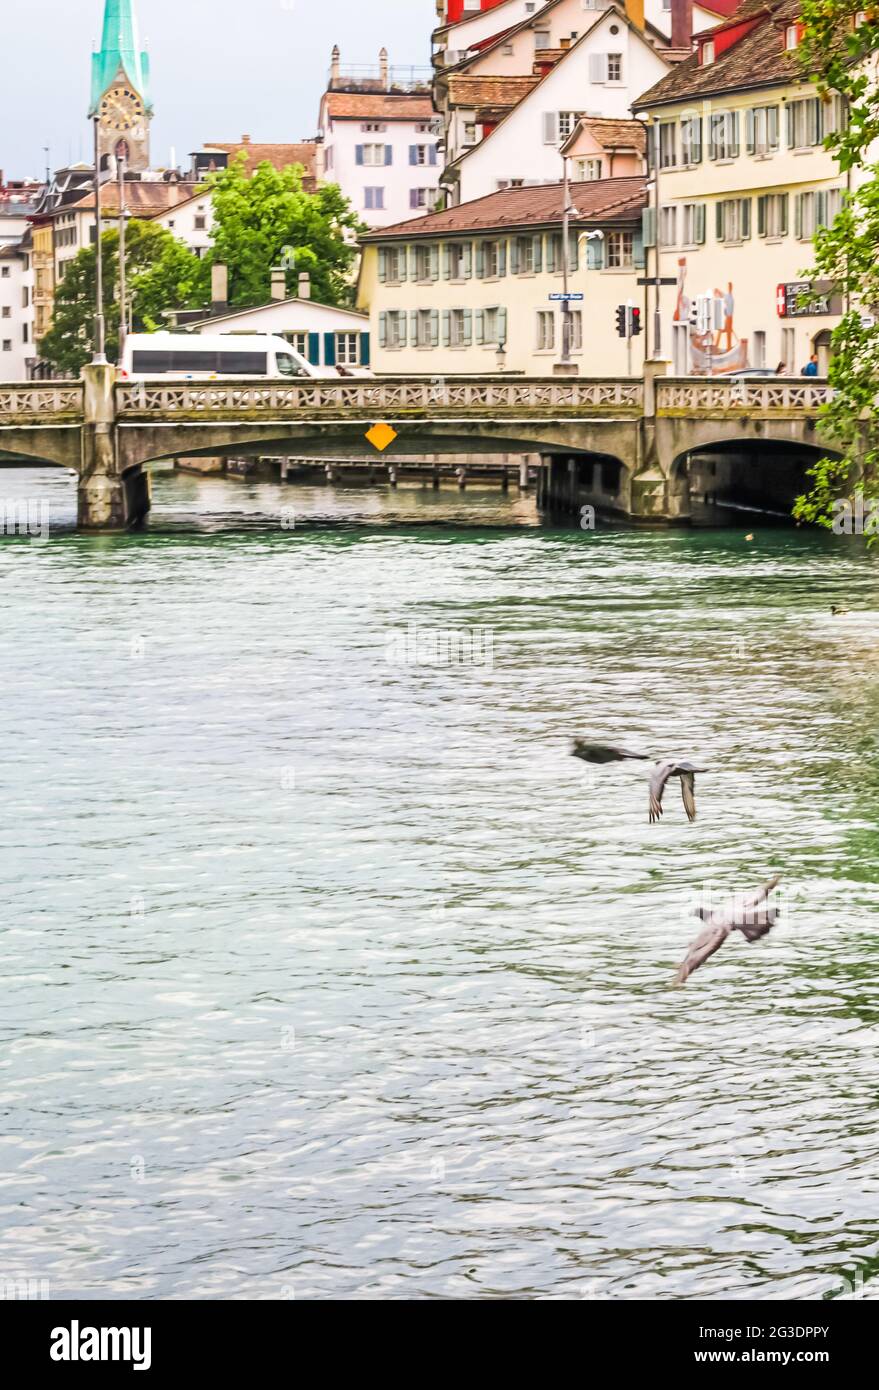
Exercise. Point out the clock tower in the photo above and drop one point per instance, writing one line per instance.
(120, 90)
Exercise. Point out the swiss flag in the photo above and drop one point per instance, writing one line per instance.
(781, 301)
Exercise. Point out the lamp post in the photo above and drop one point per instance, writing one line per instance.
(121, 152)
(502, 355)
(99, 357)
(566, 256)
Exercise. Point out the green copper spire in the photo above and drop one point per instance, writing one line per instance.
(120, 48)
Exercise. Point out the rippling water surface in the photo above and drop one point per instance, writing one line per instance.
(326, 975)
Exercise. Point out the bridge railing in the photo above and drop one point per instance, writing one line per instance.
(376, 397)
(756, 395)
(25, 401)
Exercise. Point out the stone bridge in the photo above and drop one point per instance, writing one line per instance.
(626, 444)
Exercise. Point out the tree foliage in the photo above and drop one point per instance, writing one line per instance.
(267, 220)
(161, 272)
(841, 51)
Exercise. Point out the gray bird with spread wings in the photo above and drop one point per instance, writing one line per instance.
(669, 767)
(743, 914)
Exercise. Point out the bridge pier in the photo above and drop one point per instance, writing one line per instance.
(107, 499)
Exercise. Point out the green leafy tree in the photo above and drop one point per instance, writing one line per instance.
(162, 274)
(268, 220)
(840, 50)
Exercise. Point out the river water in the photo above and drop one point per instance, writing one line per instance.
(329, 972)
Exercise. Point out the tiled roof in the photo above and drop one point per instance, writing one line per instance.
(489, 91)
(616, 135)
(757, 59)
(141, 199)
(279, 156)
(598, 201)
(378, 106)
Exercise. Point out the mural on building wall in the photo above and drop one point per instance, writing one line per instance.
(719, 350)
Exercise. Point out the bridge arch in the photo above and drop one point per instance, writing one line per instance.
(727, 479)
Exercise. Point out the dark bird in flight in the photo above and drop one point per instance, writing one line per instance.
(658, 779)
(742, 914)
(603, 752)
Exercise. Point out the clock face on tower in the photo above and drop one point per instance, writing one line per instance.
(121, 109)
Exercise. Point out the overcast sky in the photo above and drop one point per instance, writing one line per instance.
(220, 68)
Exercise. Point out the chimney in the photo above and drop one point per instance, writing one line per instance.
(245, 139)
(682, 24)
(334, 63)
(219, 289)
(304, 285)
(383, 68)
(635, 12)
(279, 283)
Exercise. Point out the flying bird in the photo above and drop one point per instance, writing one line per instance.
(603, 752)
(672, 767)
(743, 914)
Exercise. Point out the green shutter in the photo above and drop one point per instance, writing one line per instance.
(434, 262)
(480, 260)
(648, 226)
(638, 256)
(468, 259)
(480, 336)
(447, 327)
(574, 251)
(382, 264)
(745, 217)
(784, 207)
(719, 217)
(382, 331)
(468, 326)
(447, 262)
(595, 253)
(413, 327)
(434, 328)
(699, 228)
(761, 215)
(502, 258)
(502, 325)
(537, 253)
(790, 124)
(330, 349)
(514, 256)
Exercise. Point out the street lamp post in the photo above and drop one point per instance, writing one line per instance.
(123, 217)
(99, 357)
(566, 256)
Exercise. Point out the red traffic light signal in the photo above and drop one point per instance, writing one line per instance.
(636, 322)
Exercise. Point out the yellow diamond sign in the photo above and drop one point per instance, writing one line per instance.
(381, 435)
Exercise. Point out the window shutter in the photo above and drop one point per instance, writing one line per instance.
(364, 349)
(358, 154)
(699, 230)
(745, 218)
(413, 154)
(550, 253)
(502, 325)
(733, 131)
(595, 254)
(597, 67)
(821, 219)
(502, 258)
(432, 154)
(434, 262)
(651, 147)
(537, 254)
(447, 262)
(468, 326)
(413, 197)
(468, 259)
(434, 328)
(480, 260)
(784, 203)
(447, 327)
(712, 143)
(719, 212)
(772, 127)
(330, 349)
(798, 216)
(413, 327)
(550, 127)
(514, 256)
(389, 154)
(480, 337)
(574, 251)
(382, 334)
(790, 125)
(314, 349)
(648, 226)
(761, 215)
(750, 131)
(401, 320)
(382, 264)
(403, 262)
(638, 258)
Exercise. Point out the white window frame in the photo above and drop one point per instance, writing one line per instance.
(545, 330)
(369, 153)
(348, 349)
(620, 250)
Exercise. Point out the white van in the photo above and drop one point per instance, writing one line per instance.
(206, 356)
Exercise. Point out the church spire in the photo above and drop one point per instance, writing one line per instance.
(120, 54)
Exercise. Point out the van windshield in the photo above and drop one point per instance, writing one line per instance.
(287, 365)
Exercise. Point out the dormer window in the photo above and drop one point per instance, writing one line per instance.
(792, 35)
(707, 52)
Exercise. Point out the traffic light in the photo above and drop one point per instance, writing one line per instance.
(636, 321)
(621, 321)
